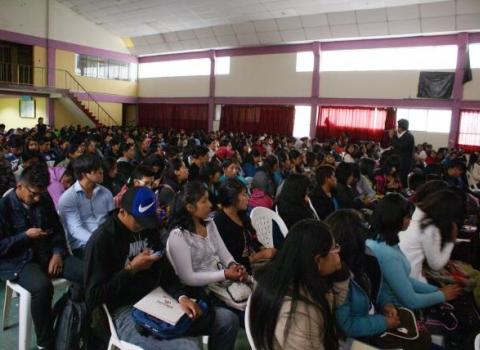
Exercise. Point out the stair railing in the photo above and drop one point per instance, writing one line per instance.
(20, 74)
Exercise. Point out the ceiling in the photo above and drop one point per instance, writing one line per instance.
(160, 26)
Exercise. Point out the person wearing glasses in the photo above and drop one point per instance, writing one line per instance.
(292, 305)
(85, 205)
(33, 248)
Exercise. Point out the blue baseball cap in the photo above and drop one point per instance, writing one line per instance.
(140, 202)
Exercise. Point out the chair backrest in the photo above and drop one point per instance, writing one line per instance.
(314, 211)
(262, 221)
(113, 330)
(471, 182)
(247, 324)
(476, 344)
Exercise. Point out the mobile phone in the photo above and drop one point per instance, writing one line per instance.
(158, 253)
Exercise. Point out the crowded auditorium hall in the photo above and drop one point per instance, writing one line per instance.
(240, 175)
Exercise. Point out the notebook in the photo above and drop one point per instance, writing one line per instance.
(161, 305)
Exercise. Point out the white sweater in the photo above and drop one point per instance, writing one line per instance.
(195, 258)
(418, 245)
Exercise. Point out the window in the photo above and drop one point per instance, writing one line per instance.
(301, 124)
(401, 58)
(469, 134)
(96, 67)
(474, 51)
(222, 66)
(304, 61)
(180, 68)
(429, 120)
(184, 68)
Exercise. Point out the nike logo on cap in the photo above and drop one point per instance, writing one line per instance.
(144, 209)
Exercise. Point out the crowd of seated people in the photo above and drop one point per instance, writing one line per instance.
(93, 205)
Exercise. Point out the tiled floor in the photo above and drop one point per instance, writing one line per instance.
(9, 337)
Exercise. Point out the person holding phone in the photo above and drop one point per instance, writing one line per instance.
(33, 249)
(124, 261)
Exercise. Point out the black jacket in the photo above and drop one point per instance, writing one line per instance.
(16, 249)
(107, 252)
(346, 198)
(292, 213)
(404, 148)
(323, 204)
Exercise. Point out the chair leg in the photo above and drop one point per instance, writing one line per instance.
(6, 305)
(25, 322)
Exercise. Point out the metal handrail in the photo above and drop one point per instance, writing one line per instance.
(38, 77)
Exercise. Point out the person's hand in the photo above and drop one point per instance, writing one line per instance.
(35, 232)
(143, 261)
(234, 272)
(392, 321)
(190, 307)
(390, 310)
(156, 183)
(266, 254)
(452, 291)
(55, 266)
(244, 274)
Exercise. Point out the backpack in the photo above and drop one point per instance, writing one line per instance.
(149, 325)
(70, 320)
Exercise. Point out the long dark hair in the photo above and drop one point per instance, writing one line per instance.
(171, 167)
(228, 194)
(294, 190)
(443, 209)
(181, 218)
(350, 233)
(387, 218)
(293, 269)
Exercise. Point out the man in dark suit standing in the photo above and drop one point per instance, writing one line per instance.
(403, 144)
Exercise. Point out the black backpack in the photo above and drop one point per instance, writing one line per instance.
(70, 320)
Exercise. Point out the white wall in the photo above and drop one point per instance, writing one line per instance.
(434, 138)
(30, 17)
(471, 90)
(376, 84)
(264, 76)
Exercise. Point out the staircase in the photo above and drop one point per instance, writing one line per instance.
(15, 77)
(84, 108)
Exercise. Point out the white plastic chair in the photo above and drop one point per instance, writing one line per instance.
(472, 183)
(115, 342)
(314, 211)
(247, 324)
(24, 310)
(262, 221)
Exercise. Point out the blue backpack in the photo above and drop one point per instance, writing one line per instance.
(162, 330)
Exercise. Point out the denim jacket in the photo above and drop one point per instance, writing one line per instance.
(16, 249)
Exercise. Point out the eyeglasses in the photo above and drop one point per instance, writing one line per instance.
(33, 194)
(336, 249)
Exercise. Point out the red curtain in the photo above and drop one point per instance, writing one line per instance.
(276, 120)
(360, 123)
(469, 134)
(390, 123)
(189, 117)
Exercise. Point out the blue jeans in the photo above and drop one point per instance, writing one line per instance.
(223, 332)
